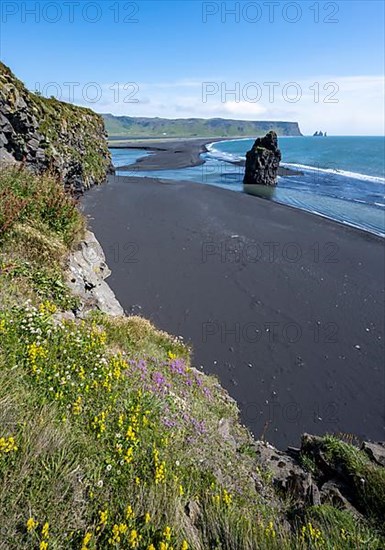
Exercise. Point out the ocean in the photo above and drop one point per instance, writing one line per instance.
(343, 177)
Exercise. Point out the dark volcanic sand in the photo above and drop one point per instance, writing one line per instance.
(175, 154)
(167, 154)
(299, 344)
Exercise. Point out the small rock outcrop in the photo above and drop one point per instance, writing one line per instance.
(86, 274)
(375, 451)
(288, 475)
(47, 134)
(262, 161)
(312, 475)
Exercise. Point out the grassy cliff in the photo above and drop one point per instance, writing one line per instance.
(49, 134)
(136, 127)
(109, 438)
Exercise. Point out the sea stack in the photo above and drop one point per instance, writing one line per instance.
(262, 161)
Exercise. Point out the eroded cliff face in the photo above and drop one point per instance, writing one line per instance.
(48, 134)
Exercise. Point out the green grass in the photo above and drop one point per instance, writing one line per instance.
(344, 530)
(39, 223)
(40, 201)
(109, 438)
(366, 480)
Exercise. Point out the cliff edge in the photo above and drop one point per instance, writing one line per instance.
(47, 134)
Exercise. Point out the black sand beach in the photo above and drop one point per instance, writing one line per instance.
(287, 308)
(174, 154)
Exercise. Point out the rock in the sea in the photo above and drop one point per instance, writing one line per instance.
(262, 161)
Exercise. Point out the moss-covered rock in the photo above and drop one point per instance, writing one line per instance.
(43, 133)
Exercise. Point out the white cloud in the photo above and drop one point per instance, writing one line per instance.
(339, 105)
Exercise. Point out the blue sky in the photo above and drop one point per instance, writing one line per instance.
(183, 58)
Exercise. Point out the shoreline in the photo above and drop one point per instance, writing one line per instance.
(148, 226)
(174, 154)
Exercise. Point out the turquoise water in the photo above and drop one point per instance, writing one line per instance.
(343, 177)
(124, 157)
(356, 156)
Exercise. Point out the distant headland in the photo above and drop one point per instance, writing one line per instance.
(143, 127)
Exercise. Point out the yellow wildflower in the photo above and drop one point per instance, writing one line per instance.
(118, 530)
(131, 435)
(227, 498)
(171, 355)
(147, 517)
(86, 540)
(160, 468)
(77, 406)
(47, 307)
(128, 457)
(103, 517)
(99, 423)
(7, 445)
(45, 531)
(129, 512)
(35, 352)
(43, 545)
(31, 525)
(270, 531)
(181, 491)
(134, 539)
(184, 546)
(309, 532)
(167, 533)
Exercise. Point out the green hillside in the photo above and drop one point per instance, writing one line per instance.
(118, 126)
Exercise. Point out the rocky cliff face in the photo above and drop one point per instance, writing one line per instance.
(49, 134)
(262, 161)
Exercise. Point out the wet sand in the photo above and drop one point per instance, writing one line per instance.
(285, 307)
(174, 154)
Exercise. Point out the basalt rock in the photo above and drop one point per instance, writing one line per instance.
(47, 134)
(375, 451)
(313, 475)
(86, 274)
(262, 161)
(288, 476)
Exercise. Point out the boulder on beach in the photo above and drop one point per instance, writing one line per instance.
(262, 161)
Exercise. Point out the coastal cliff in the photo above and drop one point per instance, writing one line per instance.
(125, 126)
(48, 134)
(110, 438)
